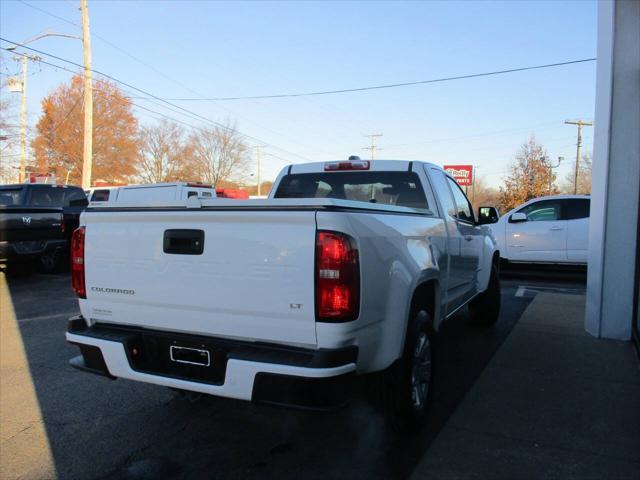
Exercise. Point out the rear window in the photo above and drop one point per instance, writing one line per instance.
(390, 188)
(10, 196)
(47, 197)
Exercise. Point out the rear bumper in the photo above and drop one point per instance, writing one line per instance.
(315, 379)
(27, 250)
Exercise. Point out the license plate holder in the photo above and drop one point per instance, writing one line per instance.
(190, 356)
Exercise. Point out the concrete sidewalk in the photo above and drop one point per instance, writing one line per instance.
(553, 402)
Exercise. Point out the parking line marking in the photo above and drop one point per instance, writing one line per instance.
(44, 317)
(522, 290)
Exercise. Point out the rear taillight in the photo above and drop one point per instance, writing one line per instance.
(77, 262)
(337, 278)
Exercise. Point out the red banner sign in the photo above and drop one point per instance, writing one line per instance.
(463, 174)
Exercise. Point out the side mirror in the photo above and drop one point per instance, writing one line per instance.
(80, 202)
(518, 217)
(487, 215)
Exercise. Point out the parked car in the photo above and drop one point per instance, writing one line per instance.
(348, 268)
(149, 193)
(552, 229)
(48, 198)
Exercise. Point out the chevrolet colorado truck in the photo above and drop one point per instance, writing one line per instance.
(348, 268)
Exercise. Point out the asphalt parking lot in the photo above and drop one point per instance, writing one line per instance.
(98, 428)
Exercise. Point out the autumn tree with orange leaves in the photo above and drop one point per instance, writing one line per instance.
(59, 133)
(530, 176)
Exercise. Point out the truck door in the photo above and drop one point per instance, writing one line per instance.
(542, 237)
(576, 212)
(454, 281)
(471, 243)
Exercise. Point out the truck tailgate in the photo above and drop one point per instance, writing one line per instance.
(253, 280)
(19, 224)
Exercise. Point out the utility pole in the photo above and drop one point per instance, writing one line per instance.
(23, 59)
(551, 167)
(373, 147)
(258, 157)
(87, 152)
(23, 122)
(580, 124)
(473, 185)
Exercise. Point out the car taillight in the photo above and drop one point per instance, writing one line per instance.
(337, 278)
(77, 262)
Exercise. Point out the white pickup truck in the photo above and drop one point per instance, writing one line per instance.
(347, 268)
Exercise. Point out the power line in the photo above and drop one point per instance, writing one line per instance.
(391, 85)
(148, 94)
(142, 62)
(73, 107)
(372, 148)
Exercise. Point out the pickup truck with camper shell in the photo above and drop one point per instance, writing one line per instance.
(152, 192)
(348, 268)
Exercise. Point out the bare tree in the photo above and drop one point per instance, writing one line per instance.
(220, 154)
(484, 195)
(164, 155)
(584, 177)
(9, 138)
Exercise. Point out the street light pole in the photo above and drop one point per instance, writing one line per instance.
(23, 105)
(87, 151)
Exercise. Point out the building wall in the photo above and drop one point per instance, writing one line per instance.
(613, 233)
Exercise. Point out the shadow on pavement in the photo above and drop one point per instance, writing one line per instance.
(99, 428)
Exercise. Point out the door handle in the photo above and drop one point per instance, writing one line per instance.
(183, 242)
(555, 229)
(468, 238)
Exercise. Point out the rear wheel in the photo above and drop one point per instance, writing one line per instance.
(406, 385)
(485, 308)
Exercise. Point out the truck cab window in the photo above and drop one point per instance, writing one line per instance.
(47, 197)
(403, 189)
(576, 208)
(465, 212)
(545, 210)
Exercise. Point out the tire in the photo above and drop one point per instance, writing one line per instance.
(406, 385)
(51, 262)
(485, 308)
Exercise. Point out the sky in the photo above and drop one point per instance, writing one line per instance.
(206, 49)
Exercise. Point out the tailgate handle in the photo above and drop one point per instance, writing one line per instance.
(183, 242)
